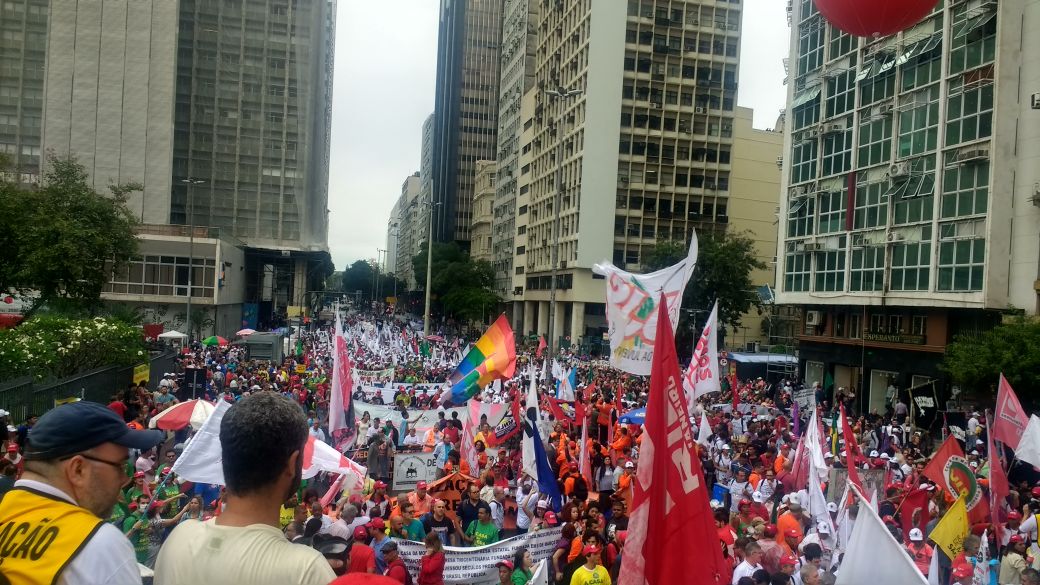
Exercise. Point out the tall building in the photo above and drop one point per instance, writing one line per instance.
(483, 211)
(519, 40)
(402, 234)
(647, 145)
(233, 95)
(466, 109)
(910, 190)
(23, 54)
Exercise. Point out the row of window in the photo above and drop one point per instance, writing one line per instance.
(850, 325)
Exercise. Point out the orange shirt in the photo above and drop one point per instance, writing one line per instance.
(778, 465)
(623, 443)
(576, 546)
(625, 486)
(788, 521)
(603, 408)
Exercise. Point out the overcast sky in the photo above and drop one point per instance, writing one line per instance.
(385, 71)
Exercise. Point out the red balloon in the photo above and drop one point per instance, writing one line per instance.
(867, 18)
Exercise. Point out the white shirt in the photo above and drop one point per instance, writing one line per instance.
(744, 570)
(108, 557)
(204, 552)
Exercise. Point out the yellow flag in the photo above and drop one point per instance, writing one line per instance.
(950, 532)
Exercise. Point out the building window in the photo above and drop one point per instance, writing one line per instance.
(855, 326)
(807, 114)
(803, 164)
(871, 206)
(969, 113)
(839, 325)
(841, 94)
(874, 139)
(925, 68)
(810, 47)
(840, 44)
(832, 212)
(878, 86)
(919, 126)
(965, 190)
(910, 265)
(800, 217)
(918, 325)
(837, 153)
(868, 268)
(830, 270)
(796, 272)
(961, 265)
(895, 324)
(877, 324)
(974, 38)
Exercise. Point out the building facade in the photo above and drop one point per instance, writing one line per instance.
(401, 232)
(466, 109)
(23, 56)
(910, 190)
(483, 211)
(647, 145)
(519, 40)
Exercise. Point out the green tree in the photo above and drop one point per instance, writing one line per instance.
(461, 287)
(64, 239)
(725, 261)
(975, 361)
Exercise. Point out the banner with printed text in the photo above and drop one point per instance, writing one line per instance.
(476, 566)
(632, 309)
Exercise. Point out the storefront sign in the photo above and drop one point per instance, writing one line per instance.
(894, 338)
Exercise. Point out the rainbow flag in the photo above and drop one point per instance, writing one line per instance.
(492, 358)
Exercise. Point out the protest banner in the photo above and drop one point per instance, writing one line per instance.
(450, 489)
(411, 468)
(476, 566)
(428, 418)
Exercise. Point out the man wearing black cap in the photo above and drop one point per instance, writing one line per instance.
(52, 522)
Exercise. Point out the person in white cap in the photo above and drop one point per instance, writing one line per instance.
(919, 550)
(821, 536)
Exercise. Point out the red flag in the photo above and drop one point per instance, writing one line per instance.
(736, 391)
(800, 466)
(541, 346)
(949, 470)
(914, 503)
(670, 514)
(1009, 420)
(557, 411)
(851, 446)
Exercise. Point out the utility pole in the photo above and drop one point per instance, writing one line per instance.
(191, 182)
(561, 96)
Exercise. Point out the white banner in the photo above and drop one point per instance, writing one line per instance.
(427, 418)
(632, 309)
(201, 460)
(703, 375)
(411, 468)
(476, 566)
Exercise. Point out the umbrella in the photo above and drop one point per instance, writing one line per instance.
(633, 417)
(193, 412)
(246, 331)
(172, 335)
(435, 338)
(214, 340)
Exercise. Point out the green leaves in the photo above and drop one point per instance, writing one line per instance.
(55, 346)
(974, 361)
(64, 239)
(461, 286)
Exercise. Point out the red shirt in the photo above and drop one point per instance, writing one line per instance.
(398, 572)
(362, 559)
(118, 407)
(431, 569)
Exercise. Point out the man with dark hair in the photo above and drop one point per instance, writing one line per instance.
(262, 439)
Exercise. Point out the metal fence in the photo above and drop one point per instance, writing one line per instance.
(23, 397)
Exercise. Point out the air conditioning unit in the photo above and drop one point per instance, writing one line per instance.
(886, 109)
(834, 128)
(859, 241)
(799, 191)
(899, 170)
(810, 134)
(699, 109)
(894, 237)
(812, 247)
(813, 318)
(1034, 102)
(973, 155)
(655, 105)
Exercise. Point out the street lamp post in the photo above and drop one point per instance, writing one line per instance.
(561, 95)
(191, 182)
(381, 257)
(429, 268)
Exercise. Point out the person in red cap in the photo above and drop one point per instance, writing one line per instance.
(791, 541)
(1014, 561)
(771, 549)
(592, 572)
(378, 504)
(963, 575)
(505, 572)
(377, 532)
(421, 501)
(788, 563)
(362, 557)
(13, 458)
(1014, 521)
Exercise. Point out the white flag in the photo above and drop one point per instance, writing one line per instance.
(702, 377)
(632, 309)
(869, 544)
(529, 464)
(814, 446)
(319, 456)
(201, 460)
(704, 430)
(1029, 447)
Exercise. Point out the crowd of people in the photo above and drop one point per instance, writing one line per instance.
(267, 525)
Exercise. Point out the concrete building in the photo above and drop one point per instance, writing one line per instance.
(910, 189)
(466, 109)
(483, 211)
(393, 239)
(519, 40)
(402, 223)
(755, 183)
(647, 149)
(235, 95)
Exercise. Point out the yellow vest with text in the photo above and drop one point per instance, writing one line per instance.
(40, 534)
